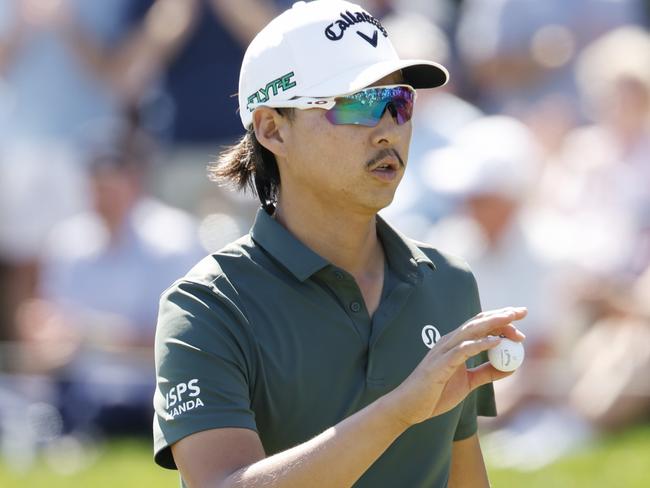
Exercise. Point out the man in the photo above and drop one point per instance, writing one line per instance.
(299, 355)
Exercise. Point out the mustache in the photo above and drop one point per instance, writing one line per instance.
(383, 154)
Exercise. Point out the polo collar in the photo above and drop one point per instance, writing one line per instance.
(300, 260)
(402, 254)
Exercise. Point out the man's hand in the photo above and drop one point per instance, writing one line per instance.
(442, 380)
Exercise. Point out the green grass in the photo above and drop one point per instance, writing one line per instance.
(122, 464)
(618, 461)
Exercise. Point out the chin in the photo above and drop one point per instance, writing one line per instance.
(380, 203)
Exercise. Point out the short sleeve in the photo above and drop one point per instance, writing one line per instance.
(203, 367)
(479, 402)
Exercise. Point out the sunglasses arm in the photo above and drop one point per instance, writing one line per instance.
(302, 103)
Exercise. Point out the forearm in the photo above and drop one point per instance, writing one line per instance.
(9, 45)
(337, 457)
(467, 465)
(130, 67)
(244, 18)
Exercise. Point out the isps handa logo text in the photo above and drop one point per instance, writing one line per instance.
(183, 397)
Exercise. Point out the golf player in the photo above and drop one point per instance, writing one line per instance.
(324, 349)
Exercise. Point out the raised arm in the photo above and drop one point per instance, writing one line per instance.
(244, 18)
(10, 41)
(134, 63)
(340, 455)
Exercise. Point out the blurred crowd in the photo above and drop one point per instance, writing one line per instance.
(533, 164)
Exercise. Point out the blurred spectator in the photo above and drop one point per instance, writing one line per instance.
(594, 197)
(441, 13)
(519, 56)
(7, 308)
(67, 64)
(619, 143)
(604, 175)
(46, 99)
(520, 51)
(39, 185)
(194, 103)
(48, 95)
(11, 36)
(102, 273)
(192, 50)
(611, 361)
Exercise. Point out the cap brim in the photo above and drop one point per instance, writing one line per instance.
(418, 73)
(425, 74)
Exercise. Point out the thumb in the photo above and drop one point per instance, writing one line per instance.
(485, 373)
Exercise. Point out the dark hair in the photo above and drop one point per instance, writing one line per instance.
(249, 165)
(124, 148)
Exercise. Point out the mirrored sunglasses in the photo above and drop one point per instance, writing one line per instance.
(365, 107)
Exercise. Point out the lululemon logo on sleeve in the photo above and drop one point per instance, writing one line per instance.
(430, 336)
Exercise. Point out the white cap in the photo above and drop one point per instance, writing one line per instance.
(494, 155)
(323, 48)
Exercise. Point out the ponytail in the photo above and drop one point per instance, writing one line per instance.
(249, 166)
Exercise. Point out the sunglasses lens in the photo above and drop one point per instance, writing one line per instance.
(368, 106)
(403, 110)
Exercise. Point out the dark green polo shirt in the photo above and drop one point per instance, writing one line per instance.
(267, 335)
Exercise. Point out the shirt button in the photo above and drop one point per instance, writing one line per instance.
(338, 275)
(355, 306)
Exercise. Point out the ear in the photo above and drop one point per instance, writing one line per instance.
(271, 130)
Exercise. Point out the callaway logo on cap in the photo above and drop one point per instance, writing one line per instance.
(323, 48)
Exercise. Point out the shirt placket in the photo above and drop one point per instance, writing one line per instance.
(344, 288)
(384, 318)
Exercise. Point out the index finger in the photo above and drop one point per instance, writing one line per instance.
(494, 322)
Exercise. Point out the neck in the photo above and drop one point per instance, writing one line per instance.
(346, 239)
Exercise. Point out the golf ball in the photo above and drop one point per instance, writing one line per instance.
(507, 355)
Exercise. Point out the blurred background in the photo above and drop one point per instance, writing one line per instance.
(533, 164)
